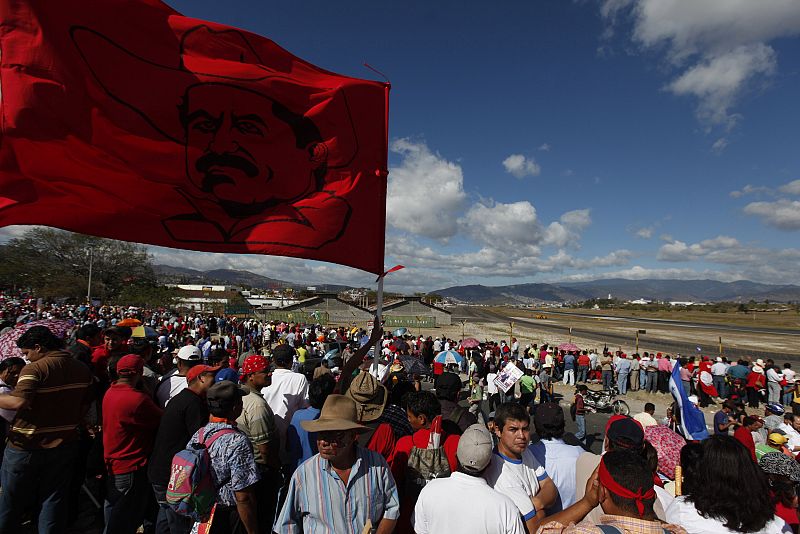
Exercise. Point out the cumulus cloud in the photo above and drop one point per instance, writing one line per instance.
(503, 225)
(644, 233)
(566, 231)
(520, 166)
(425, 192)
(680, 251)
(750, 190)
(783, 214)
(792, 188)
(719, 48)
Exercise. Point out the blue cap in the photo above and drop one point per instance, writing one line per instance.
(775, 408)
(227, 374)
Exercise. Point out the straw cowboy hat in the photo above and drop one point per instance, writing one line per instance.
(338, 413)
(369, 395)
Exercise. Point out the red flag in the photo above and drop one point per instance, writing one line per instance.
(124, 119)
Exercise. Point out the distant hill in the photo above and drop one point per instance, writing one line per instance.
(169, 274)
(664, 290)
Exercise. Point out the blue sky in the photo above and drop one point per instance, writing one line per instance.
(553, 140)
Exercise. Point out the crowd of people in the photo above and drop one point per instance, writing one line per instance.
(214, 424)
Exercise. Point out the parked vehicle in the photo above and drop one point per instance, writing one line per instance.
(605, 401)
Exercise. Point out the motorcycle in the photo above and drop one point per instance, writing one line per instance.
(605, 401)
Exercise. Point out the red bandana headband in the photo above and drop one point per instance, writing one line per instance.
(608, 481)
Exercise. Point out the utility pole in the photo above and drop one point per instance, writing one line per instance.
(463, 323)
(89, 287)
(511, 324)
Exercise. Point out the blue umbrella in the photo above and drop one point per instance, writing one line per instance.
(400, 332)
(330, 354)
(447, 357)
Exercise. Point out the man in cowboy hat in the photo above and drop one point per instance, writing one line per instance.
(370, 397)
(353, 486)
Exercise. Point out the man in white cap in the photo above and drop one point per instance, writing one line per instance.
(478, 509)
(175, 381)
(344, 487)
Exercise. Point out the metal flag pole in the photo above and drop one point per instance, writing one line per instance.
(378, 324)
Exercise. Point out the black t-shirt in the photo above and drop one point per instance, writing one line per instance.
(183, 416)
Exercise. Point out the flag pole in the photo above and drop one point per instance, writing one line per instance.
(379, 324)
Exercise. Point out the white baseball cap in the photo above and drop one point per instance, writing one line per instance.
(190, 353)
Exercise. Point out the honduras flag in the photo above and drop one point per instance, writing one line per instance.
(693, 422)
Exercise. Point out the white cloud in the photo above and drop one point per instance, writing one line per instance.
(721, 46)
(503, 225)
(680, 251)
(425, 192)
(718, 81)
(7, 233)
(720, 145)
(792, 188)
(520, 166)
(783, 214)
(750, 190)
(566, 231)
(644, 233)
(545, 147)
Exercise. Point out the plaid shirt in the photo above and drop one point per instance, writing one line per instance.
(626, 525)
(398, 420)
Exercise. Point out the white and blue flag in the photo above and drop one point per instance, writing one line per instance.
(693, 422)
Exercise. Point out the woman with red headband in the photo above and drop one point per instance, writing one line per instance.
(623, 486)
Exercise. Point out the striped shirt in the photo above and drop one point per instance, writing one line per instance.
(628, 525)
(56, 387)
(318, 502)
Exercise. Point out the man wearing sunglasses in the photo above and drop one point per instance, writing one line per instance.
(352, 486)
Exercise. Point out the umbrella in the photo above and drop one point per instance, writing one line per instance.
(470, 343)
(8, 341)
(568, 346)
(400, 332)
(447, 357)
(414, 366)
(668, 444)
(330, 354)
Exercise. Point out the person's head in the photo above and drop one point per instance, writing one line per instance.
(474, 452)
(624, 433)
(777, 440)
(200, 378)
(369, 395)
(336, 428)
(225, 400)
(549, 421)
(247, 150)
(751, 422)
(129, 369)
(399, 391)
(796, 422)
(626, 485)
(783, 475)
(691, 456)
(319, 389)
(447, 385)
(774, 408)
(715, 485)
(787, 365)
(37, 341)
(255, 372)
(116, 338)
(650, 408)
(422, 407)
(728, 406)
(188, 357)
(10, 369)
(283, 356)
(219, 357)
(512, 427)
(90, 333)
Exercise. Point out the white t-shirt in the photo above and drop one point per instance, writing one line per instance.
(491, 387)
(682, 512)
(478, 509)
(517, 479)
(170, 385)
(789, 375)
(287, 393)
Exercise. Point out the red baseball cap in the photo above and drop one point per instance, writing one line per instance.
(198, 370)
(130, 364)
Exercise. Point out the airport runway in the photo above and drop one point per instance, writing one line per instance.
(683, 342)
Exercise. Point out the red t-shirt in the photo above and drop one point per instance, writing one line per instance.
(382, 441)
(787, 514)
(420, 440)
(130, 421)
(583, 359)
(745, 437)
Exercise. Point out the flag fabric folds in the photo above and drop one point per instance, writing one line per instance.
(693, 422)
(124, 119)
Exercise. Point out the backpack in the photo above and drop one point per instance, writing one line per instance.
(424, 465)
(191, 491)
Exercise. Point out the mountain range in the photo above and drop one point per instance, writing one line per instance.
(619, 288)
